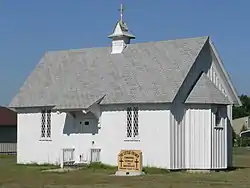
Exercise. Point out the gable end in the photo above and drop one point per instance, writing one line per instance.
(225, 78)
(205, 92)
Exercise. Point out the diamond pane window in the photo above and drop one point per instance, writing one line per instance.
(129, 122)
(132, 122)
(135, 122)
(48, 123)
(43, 124)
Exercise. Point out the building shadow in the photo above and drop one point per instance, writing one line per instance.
(79, 123)
(234, 168)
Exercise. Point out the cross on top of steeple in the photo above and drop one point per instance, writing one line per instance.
(121, 9)
(121, 35)
(121, 28)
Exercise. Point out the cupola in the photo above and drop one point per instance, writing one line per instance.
(121, 35)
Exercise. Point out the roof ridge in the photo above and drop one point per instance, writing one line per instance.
(131, 44)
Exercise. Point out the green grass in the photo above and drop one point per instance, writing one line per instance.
(97, 175)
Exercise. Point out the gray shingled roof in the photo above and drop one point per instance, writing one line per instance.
(144, 73)
(205, 92)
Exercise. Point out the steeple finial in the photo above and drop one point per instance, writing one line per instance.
(121, 35)
(121, 9)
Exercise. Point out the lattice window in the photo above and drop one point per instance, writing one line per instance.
(46, 123)
(135, 123)
(129, 122)
(132, 122)
(43, 124)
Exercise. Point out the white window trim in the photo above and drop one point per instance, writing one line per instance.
(217, 112)
(133, 137)
(46, 138)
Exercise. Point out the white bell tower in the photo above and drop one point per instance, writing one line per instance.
(121, 35)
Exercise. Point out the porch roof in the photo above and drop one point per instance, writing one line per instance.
(205, 92)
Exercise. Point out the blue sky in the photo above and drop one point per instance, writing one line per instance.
(29, 28)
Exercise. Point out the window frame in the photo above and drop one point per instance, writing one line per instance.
(45, 126)
(218, 118)
(132, 124)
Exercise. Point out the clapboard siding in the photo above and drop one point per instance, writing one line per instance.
(8, 148)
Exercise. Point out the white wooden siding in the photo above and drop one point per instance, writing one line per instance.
(177, 137)
(194, 141)
(180, 138)
(153, 135)
(109, 137)
(174, 138)
(216, 77)
(198, 138)
(229, 136)
(219, 142)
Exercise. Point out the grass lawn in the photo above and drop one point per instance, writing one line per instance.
(20, 176)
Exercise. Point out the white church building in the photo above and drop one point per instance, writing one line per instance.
(170, 99)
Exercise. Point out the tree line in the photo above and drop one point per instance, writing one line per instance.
(244, 110)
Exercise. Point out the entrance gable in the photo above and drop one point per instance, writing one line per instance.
(205, 92)
(219, 76)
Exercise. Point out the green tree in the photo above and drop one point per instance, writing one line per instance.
(243, 110)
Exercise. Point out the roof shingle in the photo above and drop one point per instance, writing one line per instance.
(205, 92)
(143, 73)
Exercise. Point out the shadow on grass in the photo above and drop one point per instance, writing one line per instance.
(231, 169)
(235, 168)
(146, 170)
(2, 155)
